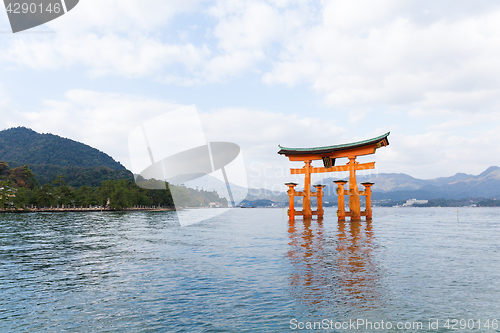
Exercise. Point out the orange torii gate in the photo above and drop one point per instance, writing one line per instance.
(328, 155)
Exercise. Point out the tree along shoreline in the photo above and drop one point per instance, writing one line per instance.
(85, 209)
(19, 190)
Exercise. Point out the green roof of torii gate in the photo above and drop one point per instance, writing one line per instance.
(329, 149)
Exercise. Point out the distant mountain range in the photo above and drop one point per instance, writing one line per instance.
(239, 193)
(399, 186)
(393, 186)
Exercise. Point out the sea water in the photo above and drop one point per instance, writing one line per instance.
(417, 269)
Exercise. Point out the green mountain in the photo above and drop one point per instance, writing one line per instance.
(48, 170)
(76, 176)
(25, 146)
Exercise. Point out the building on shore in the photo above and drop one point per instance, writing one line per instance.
(411, 202)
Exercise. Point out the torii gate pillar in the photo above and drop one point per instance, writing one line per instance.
(354, 205)
(368, 200)
(340, 201)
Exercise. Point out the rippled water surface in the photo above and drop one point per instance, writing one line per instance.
(248, 270)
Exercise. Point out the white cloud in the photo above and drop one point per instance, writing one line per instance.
(247, 33)
(109, 54)
(4, 98)
(129, 39)
(259, 132)
(122, 15)
(121, 38)
(463, 120)
(101, 120)
(380, 54)
(440, 153)
(246, 25)
(359, 54)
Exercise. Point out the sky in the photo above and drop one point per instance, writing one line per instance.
(263, 73)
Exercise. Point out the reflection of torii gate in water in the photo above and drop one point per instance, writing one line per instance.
(328, 155)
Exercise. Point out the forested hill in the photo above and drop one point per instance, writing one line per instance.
(25, 146)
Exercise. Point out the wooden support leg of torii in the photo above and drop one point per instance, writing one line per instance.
(306, 203)
(341, 213)
(291, 200)
(368, 201)
(354, 205)
(341, 203)
(319, 200)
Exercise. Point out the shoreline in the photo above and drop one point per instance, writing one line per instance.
(88, 209)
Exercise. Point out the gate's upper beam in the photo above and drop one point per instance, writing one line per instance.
(349, 150)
